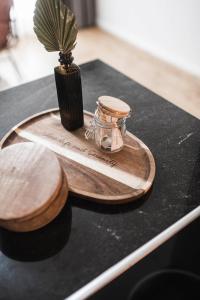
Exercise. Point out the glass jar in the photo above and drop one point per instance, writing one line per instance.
(108, 126)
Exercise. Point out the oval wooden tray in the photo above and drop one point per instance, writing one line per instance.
(109, 178)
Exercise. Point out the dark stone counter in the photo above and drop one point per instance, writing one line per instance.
(87, 238)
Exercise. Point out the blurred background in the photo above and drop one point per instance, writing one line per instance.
(155, 42)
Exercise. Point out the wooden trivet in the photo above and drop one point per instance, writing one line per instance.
(108, 178)
(33, 186)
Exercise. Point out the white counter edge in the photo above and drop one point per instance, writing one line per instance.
(127, 262)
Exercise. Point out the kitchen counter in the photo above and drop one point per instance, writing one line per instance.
(87, 238)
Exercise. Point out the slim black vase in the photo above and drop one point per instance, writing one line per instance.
(69, 91)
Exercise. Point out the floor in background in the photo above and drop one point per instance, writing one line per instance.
(171, 83)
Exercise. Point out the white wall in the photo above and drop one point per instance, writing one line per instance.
(24, 10)
(169, 29)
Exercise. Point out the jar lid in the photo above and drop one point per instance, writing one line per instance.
(31, 181)
(114, 106)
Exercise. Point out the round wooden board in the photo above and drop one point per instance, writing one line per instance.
(43, 218)
(26, 173)
(107, 178)
(33, 186)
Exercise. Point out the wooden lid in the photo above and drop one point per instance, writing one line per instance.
(30, 180)
(114, 106)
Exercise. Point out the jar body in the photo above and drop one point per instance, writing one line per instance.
(109, 137)
(108, 126)
(69, 92)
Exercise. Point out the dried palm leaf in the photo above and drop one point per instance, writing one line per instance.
(55, 25)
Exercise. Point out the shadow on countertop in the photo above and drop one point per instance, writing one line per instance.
(39, 244)
(109, 208)
(47, 241)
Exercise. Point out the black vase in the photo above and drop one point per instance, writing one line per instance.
(69, 91)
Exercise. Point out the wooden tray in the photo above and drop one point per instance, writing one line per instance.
(108, 178)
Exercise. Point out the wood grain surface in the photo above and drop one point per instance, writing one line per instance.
(114, 106)
(42, 218)
(31, 181)
(109, 178)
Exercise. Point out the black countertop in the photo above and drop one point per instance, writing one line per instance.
(87, 238)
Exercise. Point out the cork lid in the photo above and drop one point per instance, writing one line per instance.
(31, 178)
(114, 106)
